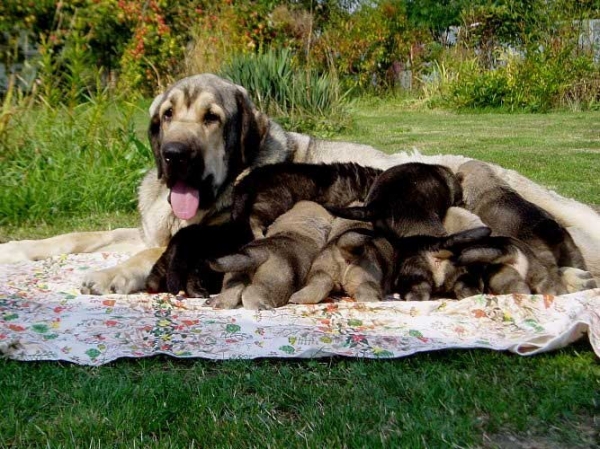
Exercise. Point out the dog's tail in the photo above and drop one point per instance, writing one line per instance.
(248, 260)
(466, 238)
(360, 213)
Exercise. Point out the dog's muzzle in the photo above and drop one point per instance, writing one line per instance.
(176, 154)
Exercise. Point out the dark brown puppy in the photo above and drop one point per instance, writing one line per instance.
(538, 246)
(271, 190)
(408, 200)
(184, 265)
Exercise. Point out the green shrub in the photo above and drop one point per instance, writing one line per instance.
(301, 99)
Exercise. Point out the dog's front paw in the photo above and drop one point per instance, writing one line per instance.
(112, 280)
(576, 280)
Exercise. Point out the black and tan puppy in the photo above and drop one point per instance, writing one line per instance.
(265, 272)
(408, 200)
(269, 191)
(407, 204)
(425, 266)
(354, 262)
(184, 267)
(527, 239)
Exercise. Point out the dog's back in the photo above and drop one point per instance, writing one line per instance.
(409, 199)
(509, 214)
(271, 190)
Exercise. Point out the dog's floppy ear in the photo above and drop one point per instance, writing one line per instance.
(253, 128)
(154, 132)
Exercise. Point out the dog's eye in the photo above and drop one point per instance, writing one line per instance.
(168, 114)
(211, 117)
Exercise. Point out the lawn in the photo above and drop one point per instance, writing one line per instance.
(467, 398)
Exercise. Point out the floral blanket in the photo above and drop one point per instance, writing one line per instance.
(44, 317)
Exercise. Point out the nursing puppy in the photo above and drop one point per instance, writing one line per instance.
(265, 272)
(407, 204)
(354, 262)
(408, 200)
(184, 267)
(533, 243)
(269, 191)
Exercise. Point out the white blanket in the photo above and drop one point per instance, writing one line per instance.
(44, 317)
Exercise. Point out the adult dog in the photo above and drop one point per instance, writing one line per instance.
(204, 132)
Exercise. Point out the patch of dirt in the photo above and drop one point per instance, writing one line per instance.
(583, 435)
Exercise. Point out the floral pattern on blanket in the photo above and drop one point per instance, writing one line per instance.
(44, 317)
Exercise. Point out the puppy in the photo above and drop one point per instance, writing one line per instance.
(407, 204)
(425, 266)
(269, 191)
(408, 200)
(497, 265)
(526, 239)
(184, 264)
(265, 272)
(354, 262)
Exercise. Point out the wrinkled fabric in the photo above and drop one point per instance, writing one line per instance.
(44, 317)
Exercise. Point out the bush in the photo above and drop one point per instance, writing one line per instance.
(302, 100)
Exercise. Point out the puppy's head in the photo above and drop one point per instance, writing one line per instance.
(426, 265)
(203, 131)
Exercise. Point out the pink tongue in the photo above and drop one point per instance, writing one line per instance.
(184, 201)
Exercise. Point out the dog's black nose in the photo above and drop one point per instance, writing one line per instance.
(175, 153)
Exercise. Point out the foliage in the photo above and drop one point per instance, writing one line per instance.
(301, 100)
(57, 161)
(515, 54)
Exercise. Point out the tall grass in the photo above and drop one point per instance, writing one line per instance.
(59, 161)
(301, 99)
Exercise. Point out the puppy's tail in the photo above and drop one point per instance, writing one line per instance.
(247, 260)
(466, 238)
(352, 213)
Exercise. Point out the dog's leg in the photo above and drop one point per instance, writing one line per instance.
(317, 288)
(117, 240)
(128, 277)
(255, 297)
(467, 285)
(576, 280)
(368, 291)
(505, 279)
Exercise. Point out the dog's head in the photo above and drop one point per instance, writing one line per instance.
(203, 131)
(426, 265)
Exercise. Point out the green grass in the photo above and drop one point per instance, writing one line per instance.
(469, 398)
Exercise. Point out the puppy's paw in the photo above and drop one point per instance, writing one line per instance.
(308, 295)
(254, 299)
(112, 280)
(368, 292)
(576, 280)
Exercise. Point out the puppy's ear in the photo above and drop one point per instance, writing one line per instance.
(253, 128)
(154, 132)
